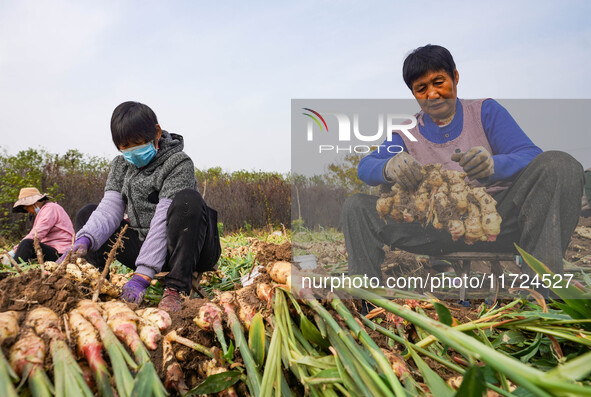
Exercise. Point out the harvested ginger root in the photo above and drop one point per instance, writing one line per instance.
(445, 200)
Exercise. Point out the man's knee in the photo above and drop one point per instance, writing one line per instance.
(355, 203)
(558, 166)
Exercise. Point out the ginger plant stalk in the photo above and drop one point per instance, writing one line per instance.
(532, 379)
(68, 377)
(91, 348)
(368, 342)
(123, 321)
(346, 346)
(118, 356)
(7, 376)
(172, 336)
(26, 358)
(209, 318)
(8, 331)
(252, 371)
(173, 373)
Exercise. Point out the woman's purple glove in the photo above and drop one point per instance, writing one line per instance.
(80, 248)
(134, 290)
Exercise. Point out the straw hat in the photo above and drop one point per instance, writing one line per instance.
(28, 196)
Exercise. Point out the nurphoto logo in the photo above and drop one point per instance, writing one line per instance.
(391, 123)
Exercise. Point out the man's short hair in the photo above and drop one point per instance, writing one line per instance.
(429, 58)
(133, 122)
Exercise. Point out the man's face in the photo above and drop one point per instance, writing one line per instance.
(436, 93)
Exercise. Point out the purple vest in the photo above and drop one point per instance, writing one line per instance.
(427, 152)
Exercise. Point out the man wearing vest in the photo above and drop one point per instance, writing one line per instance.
(538, 193)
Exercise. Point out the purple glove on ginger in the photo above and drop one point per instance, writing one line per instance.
(80, 248)
(134, 290)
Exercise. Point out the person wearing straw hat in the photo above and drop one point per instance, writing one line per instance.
(52, 226)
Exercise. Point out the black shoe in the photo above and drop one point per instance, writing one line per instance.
(364, 310)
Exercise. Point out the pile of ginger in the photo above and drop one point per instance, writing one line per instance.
(444, 200)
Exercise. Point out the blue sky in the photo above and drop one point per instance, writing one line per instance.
(223, 73)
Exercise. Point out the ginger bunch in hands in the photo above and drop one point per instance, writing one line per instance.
(445, 200)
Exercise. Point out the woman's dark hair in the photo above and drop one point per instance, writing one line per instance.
(133, 122)
(430, 58)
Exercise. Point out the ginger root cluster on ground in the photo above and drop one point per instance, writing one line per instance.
(444, 200)
(86, 273)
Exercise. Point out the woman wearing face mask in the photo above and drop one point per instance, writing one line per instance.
(52, 226)
(171, 228)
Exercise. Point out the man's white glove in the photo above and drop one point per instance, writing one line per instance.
(477, 162)
(405, 170)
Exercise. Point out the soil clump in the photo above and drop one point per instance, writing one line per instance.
(30, 289)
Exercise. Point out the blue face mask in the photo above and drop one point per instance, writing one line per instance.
(141, 155)
(36, 210)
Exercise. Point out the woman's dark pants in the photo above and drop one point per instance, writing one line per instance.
(26, 251)
(193, 243)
